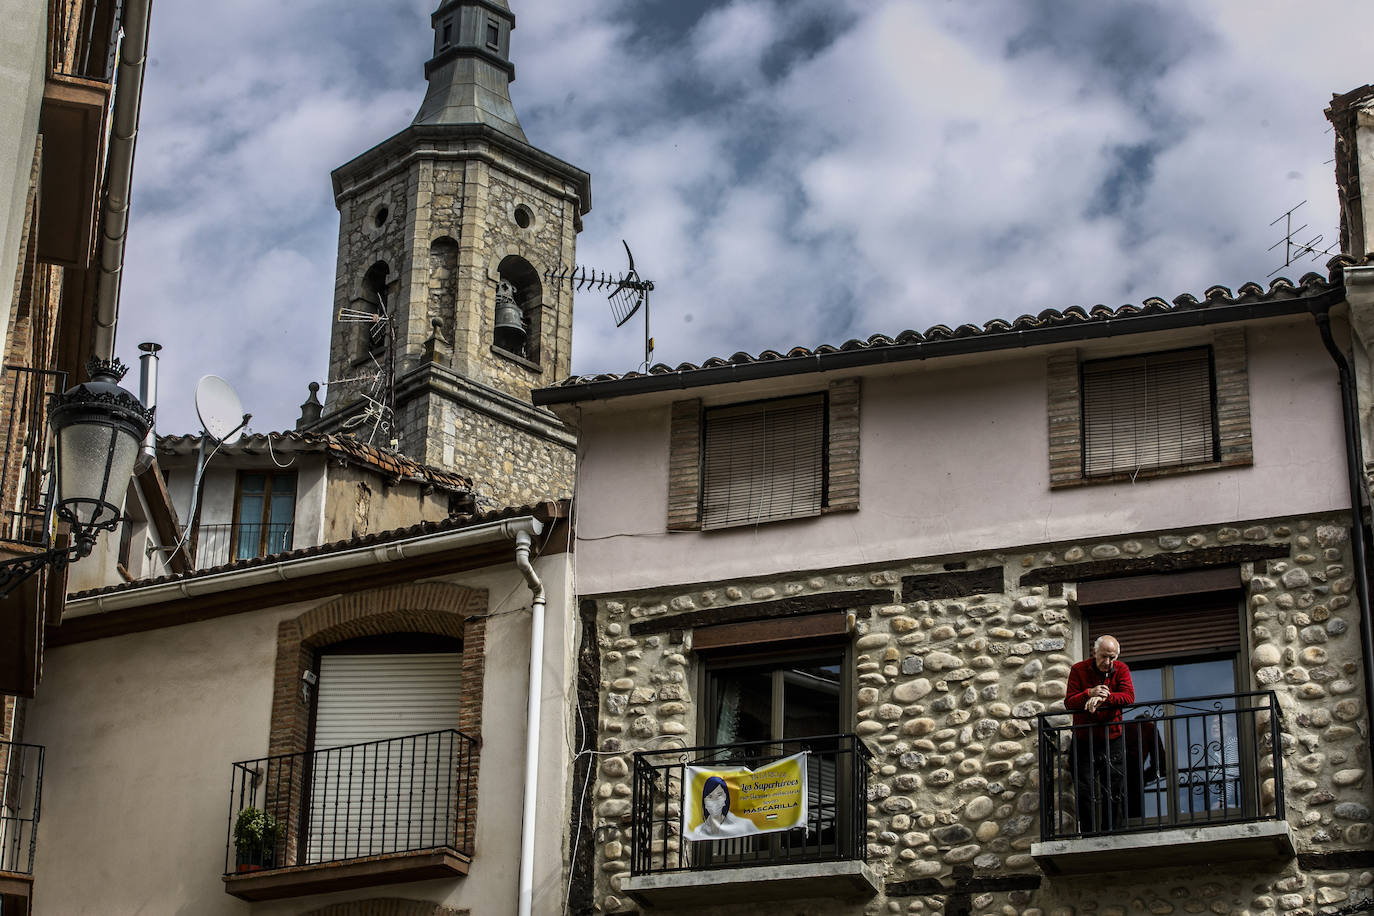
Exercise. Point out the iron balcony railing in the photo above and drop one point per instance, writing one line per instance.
(26, 478)
(837, 786)
(21, 795)
(220, 544)
(1185, 762)
(399, 795)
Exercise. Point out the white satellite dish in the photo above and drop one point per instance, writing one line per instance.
(219, 409)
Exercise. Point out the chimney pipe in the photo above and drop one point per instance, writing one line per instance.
(147, 393)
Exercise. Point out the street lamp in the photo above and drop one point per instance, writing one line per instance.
(99, 427)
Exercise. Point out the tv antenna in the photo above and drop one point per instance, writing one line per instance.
(628, 292)
(378, 386)
(1294, 250)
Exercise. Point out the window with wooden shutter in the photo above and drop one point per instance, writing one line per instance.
(763, 461)
(1149, 411)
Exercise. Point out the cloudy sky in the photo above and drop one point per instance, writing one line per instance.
(789, 172)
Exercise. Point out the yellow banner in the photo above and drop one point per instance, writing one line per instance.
(723, 802)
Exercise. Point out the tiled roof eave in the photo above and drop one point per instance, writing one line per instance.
(1072, 325)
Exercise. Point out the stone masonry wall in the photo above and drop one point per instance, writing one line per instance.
(508, 465)
(947, 681)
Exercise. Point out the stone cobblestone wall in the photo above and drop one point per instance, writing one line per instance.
(949, 674)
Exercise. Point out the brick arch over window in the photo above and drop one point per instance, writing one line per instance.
(437, 608)
(387, 906)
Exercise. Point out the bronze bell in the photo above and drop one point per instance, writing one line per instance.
(509, 333)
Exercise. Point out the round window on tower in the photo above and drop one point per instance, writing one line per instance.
(524, 217)
(377, 218)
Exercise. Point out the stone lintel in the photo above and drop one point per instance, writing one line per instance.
(844, 880)
(1200, 846)
(1161, 562)
(957, 584)
(764, 610)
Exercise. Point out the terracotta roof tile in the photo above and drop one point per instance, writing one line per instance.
(345, 448)
(1280, 289)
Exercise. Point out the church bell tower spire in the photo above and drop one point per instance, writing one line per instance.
(470, 73)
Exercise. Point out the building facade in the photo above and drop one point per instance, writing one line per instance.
(887, 556)
(910, 549)
(327, 730)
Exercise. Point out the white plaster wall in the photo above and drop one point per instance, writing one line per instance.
(955, 459)
(140, 732)
(23, 71)
(100, 568)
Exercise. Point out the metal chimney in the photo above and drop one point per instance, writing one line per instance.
(147, 393)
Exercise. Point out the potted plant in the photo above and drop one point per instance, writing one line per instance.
(255, 839)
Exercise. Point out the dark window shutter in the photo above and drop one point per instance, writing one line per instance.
(1149, 411)
(1169, 629)
(764, 461)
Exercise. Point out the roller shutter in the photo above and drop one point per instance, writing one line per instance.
(1182, 628)
(370, 794)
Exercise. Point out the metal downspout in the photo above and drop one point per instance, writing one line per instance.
(1354, 463)
(133, 56)
(523, 541)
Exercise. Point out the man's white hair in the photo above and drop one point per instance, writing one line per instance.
(1098, 642)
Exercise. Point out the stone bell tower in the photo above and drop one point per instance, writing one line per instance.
(452, 224)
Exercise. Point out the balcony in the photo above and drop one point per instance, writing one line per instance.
(1190, 780)
(21, 790)
(26, 497)
(220, 544)
(825, 858)
(381, 812)
(25, 472)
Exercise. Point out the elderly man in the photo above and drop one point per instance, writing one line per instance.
(1097, 689)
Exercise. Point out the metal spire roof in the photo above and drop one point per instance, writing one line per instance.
(470, 72)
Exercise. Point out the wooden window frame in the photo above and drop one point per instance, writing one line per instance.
(263, 525)
(1233, 444)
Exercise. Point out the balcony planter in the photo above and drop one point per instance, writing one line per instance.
(255, 840)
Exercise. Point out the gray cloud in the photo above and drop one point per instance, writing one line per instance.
(788, 173)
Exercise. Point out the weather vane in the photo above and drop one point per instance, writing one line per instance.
(628, 292)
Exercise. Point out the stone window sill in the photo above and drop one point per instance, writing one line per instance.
(516, 358)
(1255, 841)
(1149, 473)
(327, 877)
(846, 880)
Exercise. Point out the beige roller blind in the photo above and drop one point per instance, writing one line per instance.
(764, 461)
(374, 697)
(370, 795)
(1148, 411)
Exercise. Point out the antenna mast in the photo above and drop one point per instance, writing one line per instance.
(379, 385)
(628, 291)
(1294, 250)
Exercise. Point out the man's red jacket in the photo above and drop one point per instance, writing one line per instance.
(1083, 677)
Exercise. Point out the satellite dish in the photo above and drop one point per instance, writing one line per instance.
(219, 409)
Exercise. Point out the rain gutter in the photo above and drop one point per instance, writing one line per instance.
(1354, 466)
(304, 567)
(133, 57)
